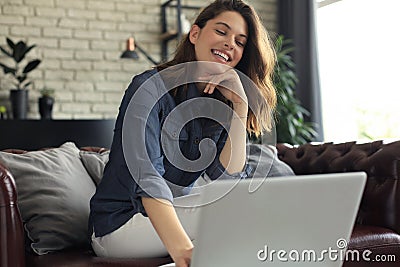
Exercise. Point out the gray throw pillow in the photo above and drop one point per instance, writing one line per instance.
(265, 162)
(54, 190)
(94, 163)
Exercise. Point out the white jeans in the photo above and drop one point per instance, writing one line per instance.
(137, 238)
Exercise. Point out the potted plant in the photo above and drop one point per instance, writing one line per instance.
(19, 95)
(46, 102)
(291, 126)
(3, 111)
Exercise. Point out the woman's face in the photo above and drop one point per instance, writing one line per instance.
(221, 40)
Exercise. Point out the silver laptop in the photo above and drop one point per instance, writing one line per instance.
(286, 221)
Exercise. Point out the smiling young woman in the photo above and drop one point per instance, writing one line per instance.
(132, 213)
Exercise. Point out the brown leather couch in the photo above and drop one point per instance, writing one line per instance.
(377, 228)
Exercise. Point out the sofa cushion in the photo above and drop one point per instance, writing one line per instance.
(54, 190)
(263, 160)
(94, 163)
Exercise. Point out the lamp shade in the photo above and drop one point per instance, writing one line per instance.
(129, 54)
(130, 50)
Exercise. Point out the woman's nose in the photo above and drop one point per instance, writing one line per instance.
(229, 43)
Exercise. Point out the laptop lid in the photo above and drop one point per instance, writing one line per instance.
(286, 221)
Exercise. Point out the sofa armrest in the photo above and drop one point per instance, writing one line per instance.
(12, 252)
(381, 198)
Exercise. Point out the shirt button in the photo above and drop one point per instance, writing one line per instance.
(196, 140)
(174, 134)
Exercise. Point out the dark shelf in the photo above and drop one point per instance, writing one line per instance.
(36, 134)
(166, 35)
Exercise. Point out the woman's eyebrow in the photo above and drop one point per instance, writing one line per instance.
(229, 27)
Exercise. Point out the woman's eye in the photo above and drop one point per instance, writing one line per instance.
(240, 43)
(220, 32)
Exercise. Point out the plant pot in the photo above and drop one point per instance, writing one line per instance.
(46, 107)
(19, 103)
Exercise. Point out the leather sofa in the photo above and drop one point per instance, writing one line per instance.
(376, 230)
(377, 227)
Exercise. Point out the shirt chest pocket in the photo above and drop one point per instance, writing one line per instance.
(173, 139)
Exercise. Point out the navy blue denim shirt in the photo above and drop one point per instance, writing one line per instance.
(118, 196)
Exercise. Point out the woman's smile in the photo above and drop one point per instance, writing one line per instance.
(221, 56)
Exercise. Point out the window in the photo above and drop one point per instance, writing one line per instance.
(359, 58)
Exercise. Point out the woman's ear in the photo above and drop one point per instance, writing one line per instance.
(194, 33)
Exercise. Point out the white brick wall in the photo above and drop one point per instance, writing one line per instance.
(79, 43)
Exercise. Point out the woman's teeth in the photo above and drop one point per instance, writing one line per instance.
(218, 53)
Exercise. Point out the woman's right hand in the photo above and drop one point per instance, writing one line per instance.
(182, 257)
(168, 227)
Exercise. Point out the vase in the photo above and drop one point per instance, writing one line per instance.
(46, 107)
(19, 103)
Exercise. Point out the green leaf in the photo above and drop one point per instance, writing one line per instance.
(21, 78)
(287, 50)
(31, 65)
(19, 51)
(7, 69)
(304, 111)
(10, 43)
(5, 52)
(27, 84)
(292, 129)
(29, 49)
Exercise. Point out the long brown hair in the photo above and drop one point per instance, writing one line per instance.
(257, 62)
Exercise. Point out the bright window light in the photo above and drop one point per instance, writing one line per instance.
(359, 60)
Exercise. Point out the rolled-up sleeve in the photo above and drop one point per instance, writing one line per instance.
(217, 171)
